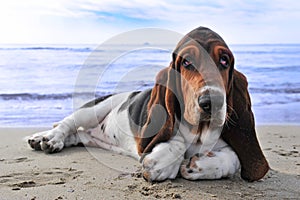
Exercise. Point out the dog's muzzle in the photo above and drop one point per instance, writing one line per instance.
(211, 103)
(213, 107)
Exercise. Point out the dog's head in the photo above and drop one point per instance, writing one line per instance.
(194, 89)
(205, 64)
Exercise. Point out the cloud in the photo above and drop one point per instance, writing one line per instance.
(249, 21)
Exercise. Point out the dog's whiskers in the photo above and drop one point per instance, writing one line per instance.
(229, 119)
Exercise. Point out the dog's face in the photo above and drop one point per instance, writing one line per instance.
(205, 81)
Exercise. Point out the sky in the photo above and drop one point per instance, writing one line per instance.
(95, 21)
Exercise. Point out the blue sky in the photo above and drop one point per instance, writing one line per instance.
(94, 21)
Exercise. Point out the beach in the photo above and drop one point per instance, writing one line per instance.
(76, 173)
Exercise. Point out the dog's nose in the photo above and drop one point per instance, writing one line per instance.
(209, 102)
(205, 103)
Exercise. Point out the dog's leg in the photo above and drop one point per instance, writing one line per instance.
(214, 165)
(65, 133)
(54, 140)
(95, 137)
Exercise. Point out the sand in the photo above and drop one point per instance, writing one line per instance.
(80, 173)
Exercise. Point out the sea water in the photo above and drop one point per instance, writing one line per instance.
(39, 83)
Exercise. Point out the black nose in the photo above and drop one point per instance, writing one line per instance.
(211, 102)
(205, 103)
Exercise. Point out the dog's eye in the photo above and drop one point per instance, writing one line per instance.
(188, 64)
(224, 61)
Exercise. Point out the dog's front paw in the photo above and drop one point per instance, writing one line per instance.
(190, 169)
(201, 167)
(159, 170)
(162, 163)
(46, 141)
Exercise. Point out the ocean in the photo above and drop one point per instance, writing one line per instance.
(41, 84)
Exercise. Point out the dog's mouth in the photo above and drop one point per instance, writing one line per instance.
(215, 121)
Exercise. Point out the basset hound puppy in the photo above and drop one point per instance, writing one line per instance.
(196, 121)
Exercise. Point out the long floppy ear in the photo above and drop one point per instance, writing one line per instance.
(159, 126)
(241, 135)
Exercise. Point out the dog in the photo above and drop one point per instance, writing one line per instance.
(196, 121)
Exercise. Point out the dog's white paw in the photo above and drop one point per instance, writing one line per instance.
(47, 141)
(162, 163)
(213, 165)
(200, 167)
